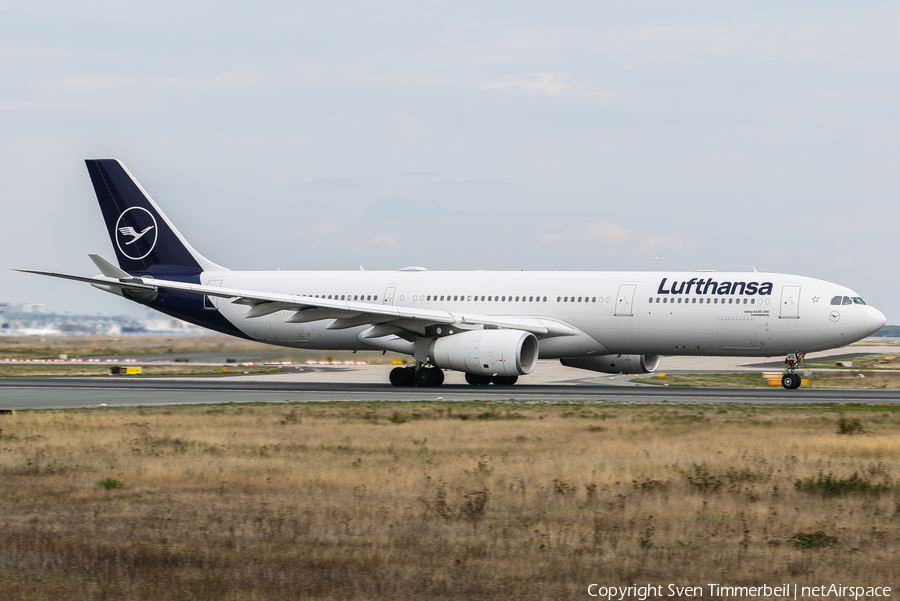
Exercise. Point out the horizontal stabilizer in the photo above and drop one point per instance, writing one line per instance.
(108, 269)
(94, 280)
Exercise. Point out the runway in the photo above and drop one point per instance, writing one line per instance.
(45, 393)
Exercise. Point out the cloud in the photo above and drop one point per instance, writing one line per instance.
(389, 240)
(550, 237)
(609, 239)
(841, 262)
(664, 243)
(546, 83)
(609, 233)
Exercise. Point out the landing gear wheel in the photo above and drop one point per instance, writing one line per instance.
(424, 376)
(476, 380)
(504, 380)
(402, 376)
(790, 381)
(429, 376)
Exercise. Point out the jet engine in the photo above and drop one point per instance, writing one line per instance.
(616, 364)
(487, 352)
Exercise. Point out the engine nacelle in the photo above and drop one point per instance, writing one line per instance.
(487, 352)
(616, 364)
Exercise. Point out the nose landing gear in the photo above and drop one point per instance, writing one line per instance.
(790, 379)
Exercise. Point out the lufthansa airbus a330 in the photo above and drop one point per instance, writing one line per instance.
(493, 326)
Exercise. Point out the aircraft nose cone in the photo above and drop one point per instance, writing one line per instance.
(875, 320)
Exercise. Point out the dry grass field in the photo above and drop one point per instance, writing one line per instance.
(443, 500)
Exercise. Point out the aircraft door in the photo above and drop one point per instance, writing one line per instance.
(389, 296)
(625, 299)
(790, 302)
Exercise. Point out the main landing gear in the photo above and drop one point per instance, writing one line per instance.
(417, 376)
(475, 380)
(426, 375)
(790, 379)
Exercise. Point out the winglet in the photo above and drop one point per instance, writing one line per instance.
(108, 269)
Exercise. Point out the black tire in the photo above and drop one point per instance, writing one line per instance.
(438, 376)
(400, 376)
(790, 381)
(425, 376)
(476, 380)
(504, 380)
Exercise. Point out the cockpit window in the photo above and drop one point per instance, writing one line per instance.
(847, 301)
(836, 300)
(858, 301)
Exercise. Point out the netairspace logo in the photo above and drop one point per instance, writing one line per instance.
(781, 591)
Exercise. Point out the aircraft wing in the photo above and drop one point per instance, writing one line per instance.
(345, 314)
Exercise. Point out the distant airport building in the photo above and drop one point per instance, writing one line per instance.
(29, 319)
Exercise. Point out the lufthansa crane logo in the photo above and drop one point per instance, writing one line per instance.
(136, 233)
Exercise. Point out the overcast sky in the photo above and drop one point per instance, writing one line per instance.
(464, 135)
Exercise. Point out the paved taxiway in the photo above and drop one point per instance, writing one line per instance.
(369, 383)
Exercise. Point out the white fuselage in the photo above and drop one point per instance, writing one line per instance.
(651, 313)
